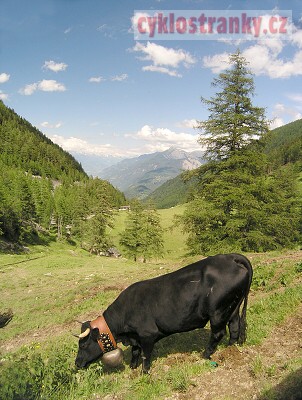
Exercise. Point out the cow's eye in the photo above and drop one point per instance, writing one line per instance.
(83, 345)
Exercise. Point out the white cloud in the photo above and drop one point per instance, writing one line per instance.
(283, 114)
(163, 138)
(116, 78)
(265, 60)
(188, 123)
(53, 66)
(119, 78)
(3, 96)
(51, 86)
(101, 28)
(161, 55)
(217, 63)
(77, 145)
(68, 30)
(163, 58)
(44, 86)
(96, 79)
(297, 97)
(163, 70)
(4, 77)
(109, 30)
(265, 57)
(51, 126)
(297, 37)
(149, 140)
(276, 123)
(28, 90)
(135, 21)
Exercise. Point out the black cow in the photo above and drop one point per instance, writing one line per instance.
(208, 290)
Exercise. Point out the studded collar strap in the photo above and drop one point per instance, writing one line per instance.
(106, 340)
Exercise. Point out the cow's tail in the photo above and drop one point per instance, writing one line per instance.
(242, 322)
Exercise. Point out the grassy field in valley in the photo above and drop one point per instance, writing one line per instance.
(51, 287)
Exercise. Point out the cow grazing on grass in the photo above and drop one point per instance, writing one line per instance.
(212, 289)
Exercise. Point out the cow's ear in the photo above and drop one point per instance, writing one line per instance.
(95, 334)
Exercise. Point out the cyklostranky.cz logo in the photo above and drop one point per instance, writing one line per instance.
(211, 24)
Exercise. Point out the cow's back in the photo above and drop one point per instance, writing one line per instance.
(182, 300)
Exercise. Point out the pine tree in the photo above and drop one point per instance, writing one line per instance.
(233, 121)
(143, 235)
(242, 208)
(96, 235)
(132, 238)
(153, 235)
(241, 204)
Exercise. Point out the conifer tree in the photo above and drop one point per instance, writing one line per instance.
(143, 235)
(233, 121)
(241, 204)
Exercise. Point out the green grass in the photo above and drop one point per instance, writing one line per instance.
(266, 313)
(174, 239)
(51, 287)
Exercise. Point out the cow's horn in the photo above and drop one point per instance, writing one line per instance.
(84, 334)
(75, 335)
(79, 322)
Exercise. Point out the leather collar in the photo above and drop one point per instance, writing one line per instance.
(106, 340)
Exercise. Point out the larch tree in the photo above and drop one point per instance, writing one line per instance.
(143, 234)
(233, 120)
(239, 204)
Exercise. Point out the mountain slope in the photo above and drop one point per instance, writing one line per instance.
(95, 164)
(137, 177)
(282, 145)
(24, 146)
(44, 191)
(171, 193)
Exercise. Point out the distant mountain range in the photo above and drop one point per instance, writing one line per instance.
(94, 165)
(282, 145)
(139, 176)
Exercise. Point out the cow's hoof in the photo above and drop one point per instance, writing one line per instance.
(206, 356)
(146, 371)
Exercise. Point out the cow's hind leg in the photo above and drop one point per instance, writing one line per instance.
(136, 352)
(217, 333)
(234, 327)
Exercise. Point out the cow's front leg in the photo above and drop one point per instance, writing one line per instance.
(147, 346)
(136, 352)
(216, 335)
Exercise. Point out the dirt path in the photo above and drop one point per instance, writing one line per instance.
(256, 372)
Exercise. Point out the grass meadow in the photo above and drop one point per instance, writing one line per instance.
(51, 287)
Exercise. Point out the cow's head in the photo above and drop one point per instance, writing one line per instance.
(90, 350)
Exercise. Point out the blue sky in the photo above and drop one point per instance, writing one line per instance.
(74, 69)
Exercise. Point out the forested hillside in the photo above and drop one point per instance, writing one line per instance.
(173, 192)
(45, 193)
(284, 144)
(24, 146)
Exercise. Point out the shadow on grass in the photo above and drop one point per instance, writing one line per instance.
(185, 343)
(16, 247)
(289, 389)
